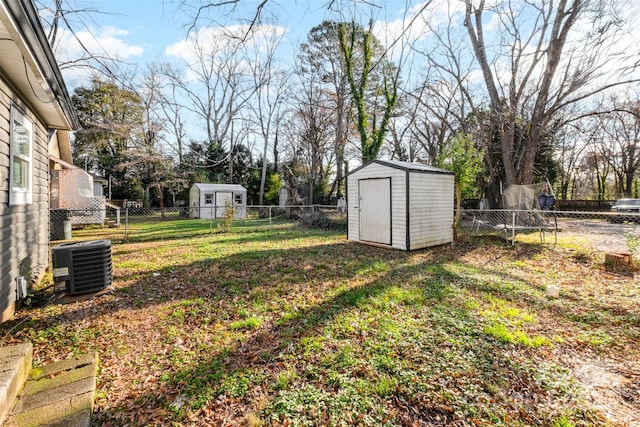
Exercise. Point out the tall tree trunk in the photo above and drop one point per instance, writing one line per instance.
(263, 175)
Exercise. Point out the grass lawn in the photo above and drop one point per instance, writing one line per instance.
(288, 326)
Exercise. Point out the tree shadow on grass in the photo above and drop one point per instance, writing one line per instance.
(223, 285)
(291, 294)
(264, 348)
(223, 379)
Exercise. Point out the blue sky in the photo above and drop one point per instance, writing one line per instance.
(154, 24)
(148, 23)
(139, 31)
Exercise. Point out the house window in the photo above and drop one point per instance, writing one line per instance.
(21, 162)
(208, 199)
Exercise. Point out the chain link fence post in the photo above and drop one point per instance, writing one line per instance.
(126, 224)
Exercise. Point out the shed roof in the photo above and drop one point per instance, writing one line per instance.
(408, 166)
(237, 188)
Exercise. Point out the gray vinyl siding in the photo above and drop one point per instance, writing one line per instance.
(398, 205)
(430, 209)
(24, 230)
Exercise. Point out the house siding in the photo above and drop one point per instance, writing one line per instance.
(398, 205)
(24, 230)
(430, 209)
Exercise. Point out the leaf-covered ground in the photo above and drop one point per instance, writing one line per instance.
(294, 327)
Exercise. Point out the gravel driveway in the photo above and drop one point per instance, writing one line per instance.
(603, 236)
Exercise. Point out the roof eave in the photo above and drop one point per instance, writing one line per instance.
(32, 41)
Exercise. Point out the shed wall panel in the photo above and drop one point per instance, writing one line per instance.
(431, 209)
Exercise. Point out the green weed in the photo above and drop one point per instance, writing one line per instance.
(248, 323)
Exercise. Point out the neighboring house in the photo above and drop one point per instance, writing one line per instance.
(99, 185)
(210, 201)
(36, 116)
(75, 190)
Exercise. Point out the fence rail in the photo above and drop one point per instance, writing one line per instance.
(601, 230)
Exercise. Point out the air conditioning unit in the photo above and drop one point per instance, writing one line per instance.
(84, 267)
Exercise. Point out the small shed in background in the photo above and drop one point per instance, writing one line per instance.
(210, 201)
(400, 205)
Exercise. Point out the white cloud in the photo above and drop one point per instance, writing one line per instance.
(106, 43)
(231, 49)
(216, 39)
(108, 40)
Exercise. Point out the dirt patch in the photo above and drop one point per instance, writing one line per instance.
(611, 388)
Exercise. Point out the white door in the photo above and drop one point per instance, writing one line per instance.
(222, 201)
(375, 210)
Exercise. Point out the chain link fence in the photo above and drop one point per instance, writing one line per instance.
(127, 222)
(600, 231)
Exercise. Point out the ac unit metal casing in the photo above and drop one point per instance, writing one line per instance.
(85, 267)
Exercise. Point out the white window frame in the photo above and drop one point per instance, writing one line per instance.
(22, 195)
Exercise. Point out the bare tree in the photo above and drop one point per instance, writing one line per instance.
(319, 63)
(168, 108)
(570, 147)
(439, 115)
(616, 131)
(216, 82)
(550, 63)
(203, 12)
(271, 83)
(62, 16)
(309, 132)
(536, 61)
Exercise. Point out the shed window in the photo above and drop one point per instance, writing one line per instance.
(21, 175)
(208, 199)
(237, 198)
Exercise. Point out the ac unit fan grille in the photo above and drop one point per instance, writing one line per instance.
(91, 270)
(84, 267)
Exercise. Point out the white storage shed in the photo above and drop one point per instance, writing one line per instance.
(211, 200)
(400, 205)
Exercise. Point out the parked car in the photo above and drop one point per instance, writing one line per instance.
(627, 207)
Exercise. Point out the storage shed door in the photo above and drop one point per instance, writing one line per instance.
(375, 210)
(221, 203)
